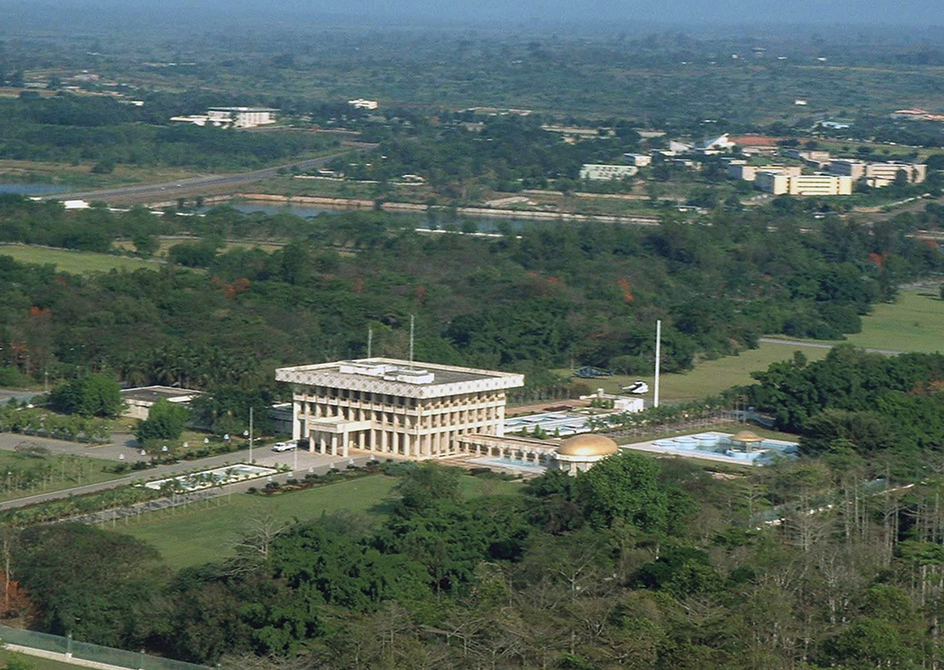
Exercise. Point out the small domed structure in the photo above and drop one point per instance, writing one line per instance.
(579, 453)
(746, 439)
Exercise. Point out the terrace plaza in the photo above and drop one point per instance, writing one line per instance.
(389, 406)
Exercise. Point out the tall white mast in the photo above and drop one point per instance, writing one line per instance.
(370, 340)
(658, 360)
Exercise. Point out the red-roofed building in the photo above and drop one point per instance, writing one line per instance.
(757, 144)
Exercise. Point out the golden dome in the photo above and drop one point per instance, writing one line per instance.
(587, 445)
(746, 436)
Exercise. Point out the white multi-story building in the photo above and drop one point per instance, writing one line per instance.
(235, 117)
(783, 184)
(390, 406)
(360, 103)
(741, 170)
(878, 175)
(639, 160)
(597, 172)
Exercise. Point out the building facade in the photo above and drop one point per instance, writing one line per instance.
(598, 172)
(813, 185)
(878, 175)
(393, 407)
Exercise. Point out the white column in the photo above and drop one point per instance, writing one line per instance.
(334, 444)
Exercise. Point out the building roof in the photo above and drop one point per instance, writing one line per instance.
(399, 378)
(151, 394)
(746, 436)
(755, 141)
(587, 444)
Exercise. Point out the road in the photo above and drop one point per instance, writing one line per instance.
(818, 345)
(193, 186)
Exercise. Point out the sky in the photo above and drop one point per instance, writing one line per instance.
(649, 13)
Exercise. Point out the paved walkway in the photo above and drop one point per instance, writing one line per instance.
(820, 345)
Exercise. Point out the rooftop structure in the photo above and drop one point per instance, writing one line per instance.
(392, 406)
(139, 400)
(360, 103)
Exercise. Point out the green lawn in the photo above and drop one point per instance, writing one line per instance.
(207, 532)
(62, 472)
(74, 262)
(915, 322)
(36, 662)
(709, 377)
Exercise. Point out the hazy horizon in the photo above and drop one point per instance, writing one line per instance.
(584, 15)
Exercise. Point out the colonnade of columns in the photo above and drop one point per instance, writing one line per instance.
(417, 428)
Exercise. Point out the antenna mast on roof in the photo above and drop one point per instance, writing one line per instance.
(370, 340)
(411, 341)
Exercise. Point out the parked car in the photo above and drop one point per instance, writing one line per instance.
(283, 446)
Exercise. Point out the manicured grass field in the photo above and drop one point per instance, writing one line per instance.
(74, 262)
(208, 533)
(709, 377)
(915, 322)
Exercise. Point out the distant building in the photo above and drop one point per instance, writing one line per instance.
(676, 147)
(718, 144)
(817, 159)
(810, 185)
(597, 172)
(878, 175)
(755, 144)
(138, 401)
(360, 103)
(231, 117)
(639, 160)
(741, 170)
(800, 102)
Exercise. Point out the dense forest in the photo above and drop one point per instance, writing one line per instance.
(635, 564)
(551, 296)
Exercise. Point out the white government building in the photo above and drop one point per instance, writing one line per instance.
(389, 406)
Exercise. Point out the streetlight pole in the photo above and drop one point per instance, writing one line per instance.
(250, 436)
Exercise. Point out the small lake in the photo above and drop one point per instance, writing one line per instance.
(28, 188)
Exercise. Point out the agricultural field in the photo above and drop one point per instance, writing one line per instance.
(74, 262)
(202, 534)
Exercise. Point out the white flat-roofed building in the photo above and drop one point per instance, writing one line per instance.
(389, 406)
(139, 401)
(740, 170)
(783, 184)
(639, 160)
(360, 103)
(242, 117)
(878, 175)
(235, 117)
(598, 172)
